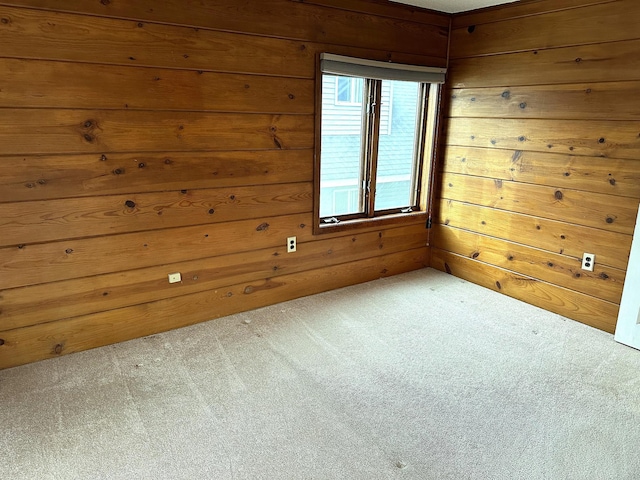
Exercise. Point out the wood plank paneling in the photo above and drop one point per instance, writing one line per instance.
(52, 339)
(608, 212)
(542, 150)
(279, 18)
(30, 131)
(579, 137)
(604, 282)
(591, 101)
(33, 83)
(143, 138)
(519, 9)
(591, 24)
(55, 36)
(552, 235)
(603, 62)
(584, 308)
(65, 176)
(70, 298)
(54, 261)
(591, 174)
(53, 220)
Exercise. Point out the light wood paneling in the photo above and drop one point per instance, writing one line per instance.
(598, 23)
(590, 174)
(70, 298)
(65, 176)
(555, 236)
(600, 62)
(276, 18)
(519, 9)
(584, 308)
(52, 339)
(541, 157)
(30, 131)
(33, 83)
(53, 220)
(608, 212)
(604, 282)
(579, 137)
(591, 101)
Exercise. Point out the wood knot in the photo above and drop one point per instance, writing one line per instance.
(604, 276)
(291, 96)
(475, 255)
(103, 158)
(538, 227)
(567, 174)
(88, 124)
(558, 195)
(578, 60)
(88, 138)
(232, 197)
(211, 211)
(471, 28)
(523, 105)
(262, 227)
(1, 341)
(118, 171)
(499, 285)
(610, 220)
(506, 94)
(4, 20)
(140, 25)
(58, 349)
(522, 138)
(248, 289)
(69, 251)
(601, 140)
(141, 165)
(21, 246)
(612, 181)
(588, 90)
(167, 161)
(302, 225)
(183, 192)
(447, 268)
(130, 204)
(510, 258)
(549, 264)
(105, 2)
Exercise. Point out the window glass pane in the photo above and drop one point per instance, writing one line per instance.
(349, 90)
(341, 143)
(395, 185)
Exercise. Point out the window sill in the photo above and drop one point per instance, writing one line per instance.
(363, 223)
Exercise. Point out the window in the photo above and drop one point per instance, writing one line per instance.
(377, 121)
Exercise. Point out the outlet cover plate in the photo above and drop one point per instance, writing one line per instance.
(175, 278)
(588, 260)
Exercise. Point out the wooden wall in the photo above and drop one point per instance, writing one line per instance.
(143, 138)
(542, 157)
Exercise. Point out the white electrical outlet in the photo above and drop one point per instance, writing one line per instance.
(291, 244)
(588, 260)
(175, 278)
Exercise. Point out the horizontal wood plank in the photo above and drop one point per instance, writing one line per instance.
(612, 248)
(65, 176)
(49, 262)
(34, 83)
(51, 339)
(591, 24)
(384, 8)
(34, 131)
(295, 20)
(519, 9)
(51, 35)
(606, 62)
(591, 101)
(577, 306)
(590, 174)
(70, 298)
(54, 220)
(604, 282)
(579, 137)
(608, 212)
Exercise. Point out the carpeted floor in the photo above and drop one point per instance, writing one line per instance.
(418, 376)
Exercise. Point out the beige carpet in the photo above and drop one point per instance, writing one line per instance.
(419, 376)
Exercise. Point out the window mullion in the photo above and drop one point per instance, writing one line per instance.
(373, 133)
